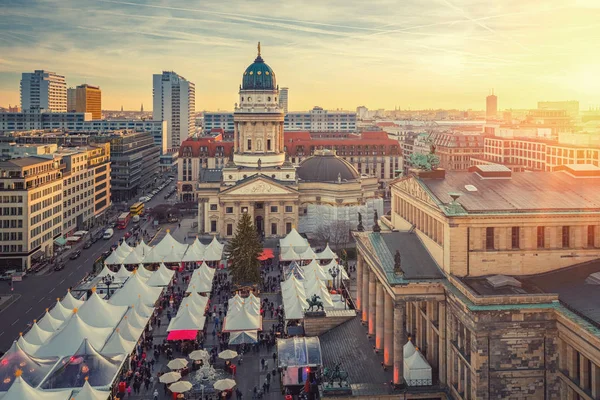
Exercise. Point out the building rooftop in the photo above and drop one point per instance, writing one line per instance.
(522, 192)
(24, 162)
(574, 288)
(210, 175)
(325, 166)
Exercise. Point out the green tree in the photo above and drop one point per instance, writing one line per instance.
(244, 249)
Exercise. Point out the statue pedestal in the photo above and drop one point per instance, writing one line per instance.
(327, 390)
(314, 314)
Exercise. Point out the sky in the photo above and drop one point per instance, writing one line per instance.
(332, 53)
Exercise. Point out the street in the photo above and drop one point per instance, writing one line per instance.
(37, 292)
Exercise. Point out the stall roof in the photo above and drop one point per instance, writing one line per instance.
(299, 352)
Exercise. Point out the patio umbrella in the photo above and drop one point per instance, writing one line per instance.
(224, 384)
(180, 387)
(228, 354)
(199, 355)
(178, 363)
(170, 377)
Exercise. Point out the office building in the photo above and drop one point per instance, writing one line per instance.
(571, 107)
(174, 101)
(85, 99)
(284, 99)
(496, 298)
(10, 149)
(315, 120)
(491, 106)
(31, 210)
(98, 161)
(43, 90)
(320, 120)
(35, 120)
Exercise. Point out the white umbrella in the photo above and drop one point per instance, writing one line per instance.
(170, 377)
(178, 363)
(227, 355)
(199, 355)
(224, 384)
(180, 387)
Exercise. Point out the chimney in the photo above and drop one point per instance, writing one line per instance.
(491, 171)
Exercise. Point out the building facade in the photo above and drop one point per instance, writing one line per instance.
(491, 106)
(85, 99)
(491, 279)
(174, 101)
(284, 99)
(320, 120)
(43, 90)
(31, 217)
(218, 120)
(251, 175)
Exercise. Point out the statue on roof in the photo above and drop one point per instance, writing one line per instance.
(376, 227)
(398, 263)
(259, 162)
(425, 162)
(360, 226)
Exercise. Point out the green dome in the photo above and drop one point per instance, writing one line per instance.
(259, 76)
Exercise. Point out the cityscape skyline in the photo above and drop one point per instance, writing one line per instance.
(438, 55)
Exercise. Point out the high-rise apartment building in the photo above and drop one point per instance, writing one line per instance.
(174, 101)
(43, 90)
(491, 106)
(283, 99)
(85, 98)
(31, 209)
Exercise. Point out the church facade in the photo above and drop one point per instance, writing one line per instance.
(260, 181)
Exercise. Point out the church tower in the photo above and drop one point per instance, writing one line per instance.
(258, 119)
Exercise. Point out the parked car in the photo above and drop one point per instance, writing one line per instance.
(127, 235)
(87, 245)
(75, 254)
(59, 267)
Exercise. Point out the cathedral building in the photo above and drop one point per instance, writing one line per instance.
(259, 179)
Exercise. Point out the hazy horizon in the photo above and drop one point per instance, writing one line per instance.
(335, 54)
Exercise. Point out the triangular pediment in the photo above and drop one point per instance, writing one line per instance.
(259, 185)
(415, 189)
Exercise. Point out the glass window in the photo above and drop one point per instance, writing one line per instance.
(515, 237)
(289, 209)
(213, 226)
(273, 229)
(541, 237)
(274, 209)
(566, 240)
(489, 238)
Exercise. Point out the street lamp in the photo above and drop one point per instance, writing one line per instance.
(334, 271)
(108, 280)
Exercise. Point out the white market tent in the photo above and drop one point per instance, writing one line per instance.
(128, 331)
(124, 249)
(71, 302)
(288, 254)
(294, 309)
(167, 250)
(67, 341)
(49, 323)
(143, 248)
(326, 254)
(409, 349)
(142, 309)
(161, 277)
(122, 274)
(135, 286)
(201, 280)
(143, 272)
(314, 270)
(36, 335)
(295, 240)
(27, 347)
(186, 320)
(242, 320)
(198, 300)
(417, 371)
(333, 263)
(20, 390)
(195, 252)
(292, 283)
(60, 312)
(134, 257)
(114, 258)
(105, 271)
(89, 393)
(98, 313)
(117, 345)
(308, 254)
(135, 319)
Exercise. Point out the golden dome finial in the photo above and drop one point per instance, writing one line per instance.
(258, 49)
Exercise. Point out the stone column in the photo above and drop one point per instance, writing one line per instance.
(359, 277)
(365, 294)
(442, 342)
(595, 383)
(399, 341)
(379, 317)
(388, 329)
(372, 302)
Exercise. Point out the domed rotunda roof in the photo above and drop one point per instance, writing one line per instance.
(258, 75)
(325, 166)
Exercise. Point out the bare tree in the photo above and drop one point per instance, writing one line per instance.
(337, 233)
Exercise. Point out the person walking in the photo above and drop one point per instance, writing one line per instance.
(155, 395)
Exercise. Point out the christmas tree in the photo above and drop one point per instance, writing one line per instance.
(244, 250)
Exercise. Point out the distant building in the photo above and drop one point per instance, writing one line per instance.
(10, 149)
(491, 106)
(85, 98)
(362, 112)
(320, 120)
(284, 99)
(218, 120)
(31, 216)
(43, 90)
(571, 107)
(174, 101)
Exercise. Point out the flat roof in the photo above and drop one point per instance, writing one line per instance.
(524, 191)
(572, 289)
(24, 162)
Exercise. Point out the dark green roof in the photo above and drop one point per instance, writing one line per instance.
(259, 76)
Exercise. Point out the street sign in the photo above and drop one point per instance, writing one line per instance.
(17, 278)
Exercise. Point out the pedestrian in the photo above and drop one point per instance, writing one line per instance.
(262, 363)
(129, 391)
(274, 358)
(155, 395)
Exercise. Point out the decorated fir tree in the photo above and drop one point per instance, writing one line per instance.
(244, 250)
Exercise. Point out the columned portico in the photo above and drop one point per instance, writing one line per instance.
(399, 341)
(365, 294)
(359, 279)
(388, 330)
(379, 317)
(372, 302)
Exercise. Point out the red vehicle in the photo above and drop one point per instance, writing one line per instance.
(123, 220)
(127, 235)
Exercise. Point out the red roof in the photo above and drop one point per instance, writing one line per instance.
(385, 123)
(303, 142)
(209, 146)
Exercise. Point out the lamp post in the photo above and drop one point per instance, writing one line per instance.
(334, 271)
(108, 280)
